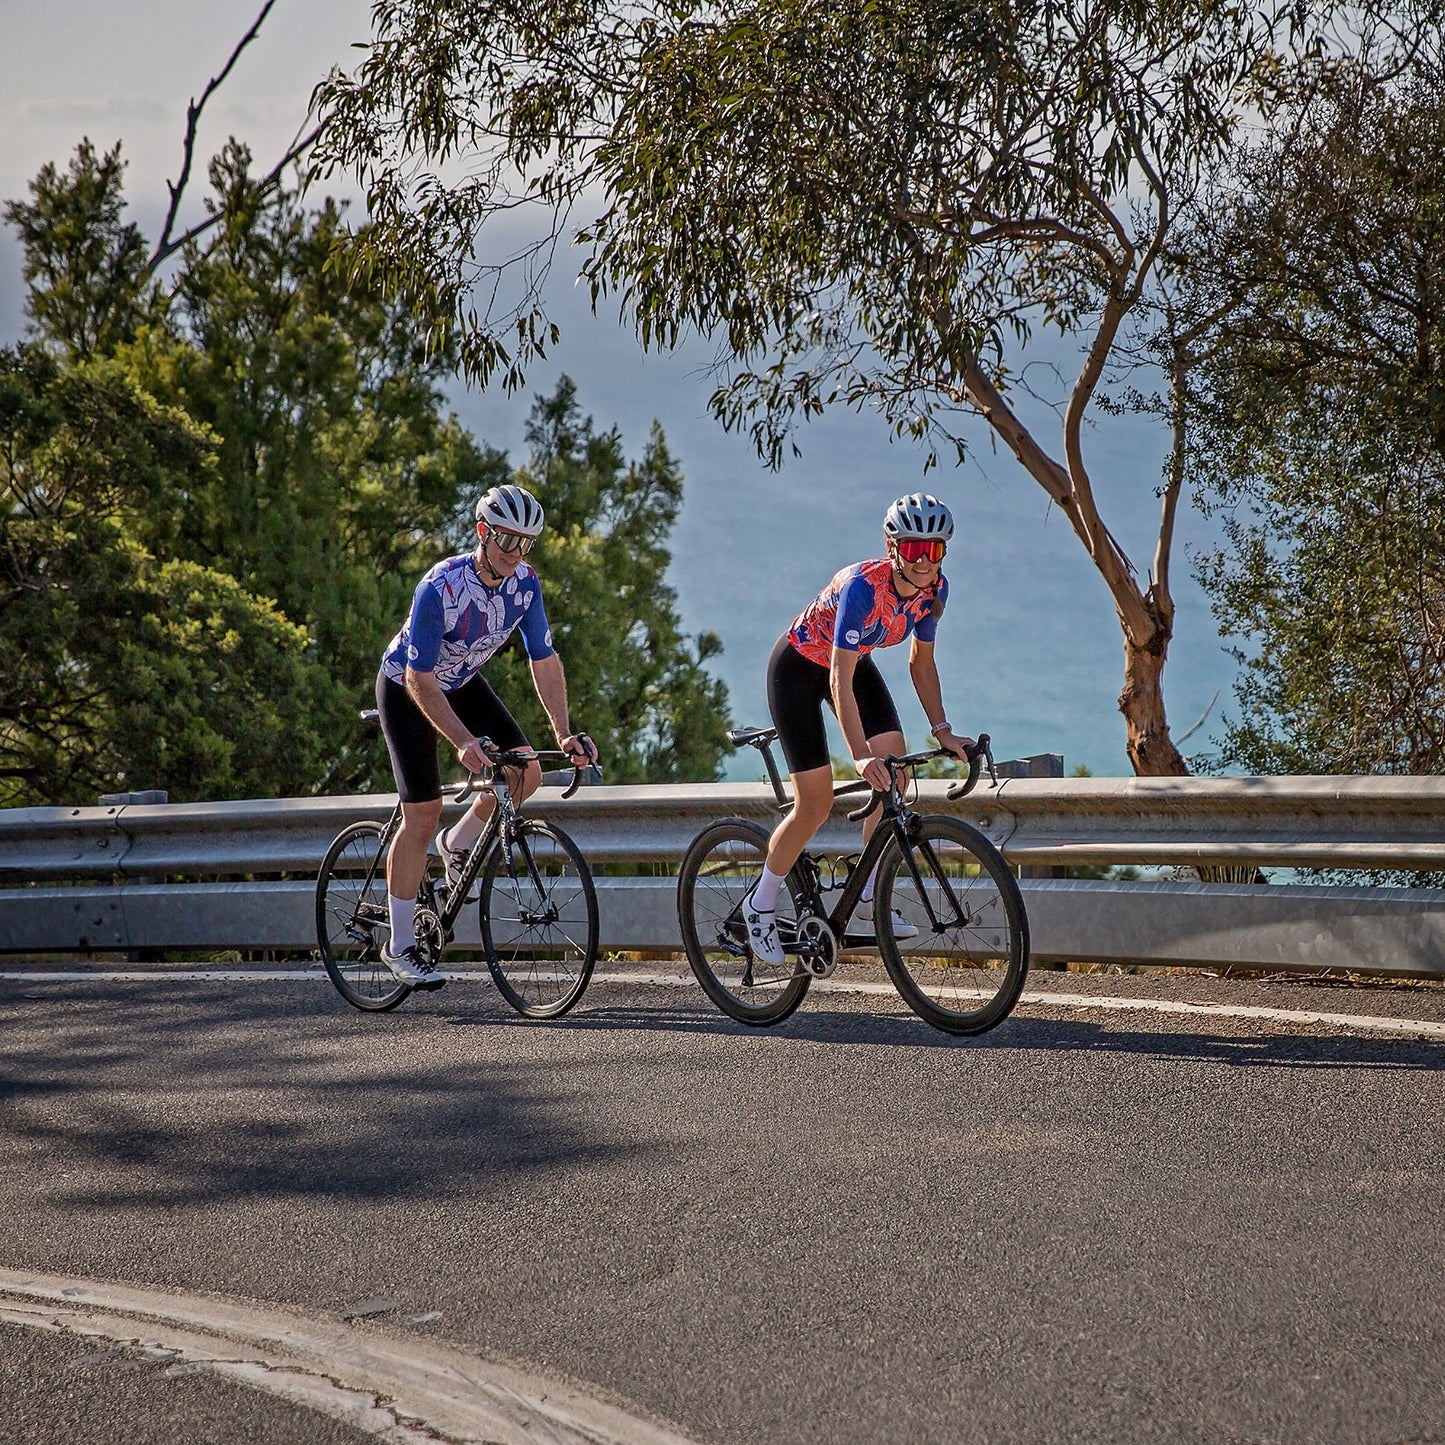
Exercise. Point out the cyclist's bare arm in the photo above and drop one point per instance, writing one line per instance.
(924, 671)
(840, 680)
(551, 684)
(426, 692)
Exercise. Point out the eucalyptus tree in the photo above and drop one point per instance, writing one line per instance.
(873, 203)
(1318, 409)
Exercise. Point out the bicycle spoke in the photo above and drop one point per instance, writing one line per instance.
(539, 921)
(959, 952)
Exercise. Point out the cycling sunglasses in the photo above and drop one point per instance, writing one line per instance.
(512, 541)
(921, 549)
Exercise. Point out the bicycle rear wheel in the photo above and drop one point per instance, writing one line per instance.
(718, 872)
(352, 921)
(539, 920)
(964, 968)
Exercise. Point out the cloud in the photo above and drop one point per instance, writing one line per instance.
(118, 109)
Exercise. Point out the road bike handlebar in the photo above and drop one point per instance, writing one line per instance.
(978, 754)
(519, 758)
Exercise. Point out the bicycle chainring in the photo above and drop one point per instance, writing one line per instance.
(817, 946)
(430, 937)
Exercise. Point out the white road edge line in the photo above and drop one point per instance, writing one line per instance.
(431, 1390)
(1369, 1022)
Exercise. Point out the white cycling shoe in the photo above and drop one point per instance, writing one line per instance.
(453, 860)
(409, 966)
(864, 922)
(763, 933)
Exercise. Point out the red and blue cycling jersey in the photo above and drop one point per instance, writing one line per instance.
(457, 622)
(860, 609)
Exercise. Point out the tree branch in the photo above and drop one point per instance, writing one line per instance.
(177, 188)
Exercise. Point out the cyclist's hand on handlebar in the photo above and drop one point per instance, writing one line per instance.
(872, 771)
(951, 742)
(579, 748)
(474, 754)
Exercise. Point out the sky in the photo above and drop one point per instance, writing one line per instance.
(1030, 649)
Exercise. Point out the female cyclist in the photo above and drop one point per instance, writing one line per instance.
(823, 658)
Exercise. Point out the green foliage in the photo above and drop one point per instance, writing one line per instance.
(866, 202)
(634, 681)
(221, 491)
(85, 267)
(1320, 427)
(339, 467)
(121, 671)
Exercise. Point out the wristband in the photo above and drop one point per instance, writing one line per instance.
(861, 763)
(940, 727)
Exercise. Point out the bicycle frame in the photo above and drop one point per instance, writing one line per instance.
(503, 821)
(899, 822)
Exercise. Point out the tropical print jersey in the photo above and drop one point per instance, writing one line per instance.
(860, 609)
(457, 622)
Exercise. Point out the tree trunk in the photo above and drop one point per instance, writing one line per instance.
(1151, 749)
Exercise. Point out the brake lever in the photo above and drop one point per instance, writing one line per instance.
(978, 754)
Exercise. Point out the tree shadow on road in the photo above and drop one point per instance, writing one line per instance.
(199, 1096)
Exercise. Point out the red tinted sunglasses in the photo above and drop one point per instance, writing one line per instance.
(921, 549)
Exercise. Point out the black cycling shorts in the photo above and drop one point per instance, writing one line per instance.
(797, 692)
(412, 740)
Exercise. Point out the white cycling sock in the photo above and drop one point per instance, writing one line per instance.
(867, 894)
(467, 829)
(765, 891)
(403, 922)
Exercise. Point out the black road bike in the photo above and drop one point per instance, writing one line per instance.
(537, 903)
(961, 956)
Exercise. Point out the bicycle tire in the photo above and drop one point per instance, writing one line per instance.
(541, 946)
(965, 976)
(352, 919)
(718, 871)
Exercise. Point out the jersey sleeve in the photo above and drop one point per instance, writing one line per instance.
(927, 629)
(425, 628)
(536, 634)
(856, 600)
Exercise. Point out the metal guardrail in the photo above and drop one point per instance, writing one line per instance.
(240, 874)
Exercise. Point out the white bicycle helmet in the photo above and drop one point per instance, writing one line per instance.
(917, 515)
(511, 509)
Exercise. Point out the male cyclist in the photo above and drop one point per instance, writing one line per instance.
(823, 658)
(430, 682)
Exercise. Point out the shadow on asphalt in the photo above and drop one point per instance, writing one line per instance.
(238, 1094)
(1130, 1034)
(288, 1102)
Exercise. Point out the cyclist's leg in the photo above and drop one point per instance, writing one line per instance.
(797, 691)
(485, 715)
(885, 738)
(881, 726)
(411, 741)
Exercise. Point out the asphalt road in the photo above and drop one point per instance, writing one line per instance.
(1087, 1226)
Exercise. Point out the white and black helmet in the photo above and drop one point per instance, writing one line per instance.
(511, 509)
(917, 515)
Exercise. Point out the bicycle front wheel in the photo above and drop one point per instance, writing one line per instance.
(960, 952)
(539, 920)
(718, 872)
(352, 921)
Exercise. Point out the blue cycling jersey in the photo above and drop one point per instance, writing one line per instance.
(457, 622)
